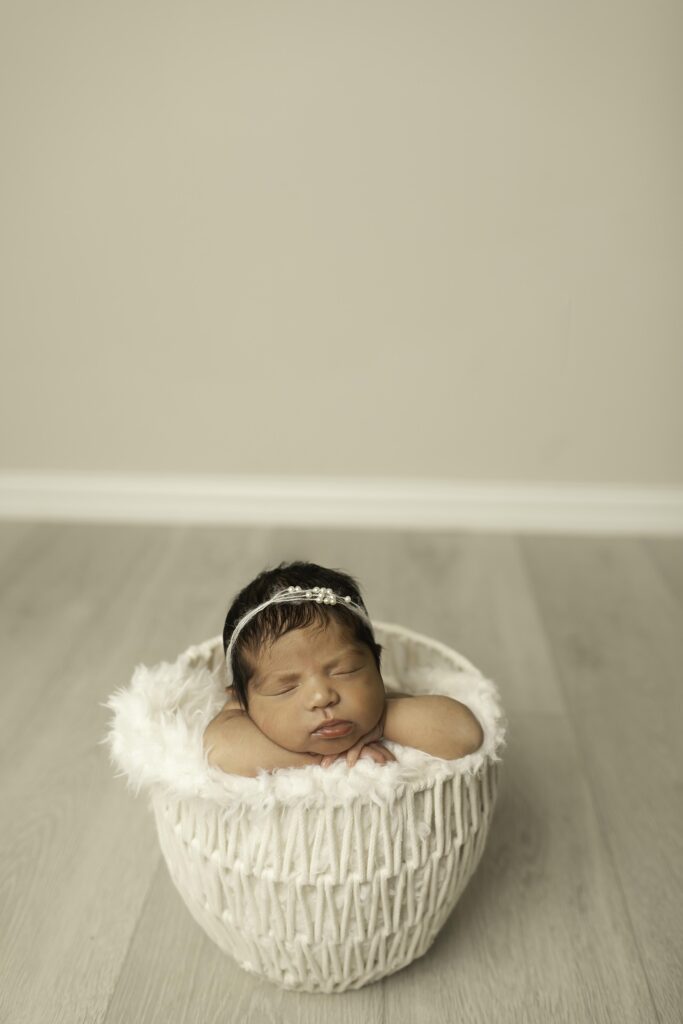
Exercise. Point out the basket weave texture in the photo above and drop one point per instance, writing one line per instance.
(318, 880)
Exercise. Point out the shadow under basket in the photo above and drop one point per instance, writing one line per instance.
(316, 879)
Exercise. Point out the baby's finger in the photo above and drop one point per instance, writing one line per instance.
(376, 752)
(384, 755)
(353, 753)
(371, 755)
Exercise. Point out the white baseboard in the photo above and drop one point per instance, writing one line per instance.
(342, 502)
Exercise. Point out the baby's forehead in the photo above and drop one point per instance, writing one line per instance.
(299, 645)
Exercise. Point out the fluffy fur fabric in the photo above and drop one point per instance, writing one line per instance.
(155, 735)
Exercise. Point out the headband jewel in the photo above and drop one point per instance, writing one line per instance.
(323, 595)
(295, 595)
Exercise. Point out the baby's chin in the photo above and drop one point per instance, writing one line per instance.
(336, 744)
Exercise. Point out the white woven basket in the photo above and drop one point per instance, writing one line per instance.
(318, 879)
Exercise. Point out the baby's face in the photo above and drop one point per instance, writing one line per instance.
(310, 675)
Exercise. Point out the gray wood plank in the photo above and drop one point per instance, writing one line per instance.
(615, 629)
(56, 596)
(77, 853)
(14, 538)
(667, 554)
(60, 810)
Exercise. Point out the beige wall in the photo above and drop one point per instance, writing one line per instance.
(436, 239)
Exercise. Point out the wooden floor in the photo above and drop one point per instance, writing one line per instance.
(576, 910)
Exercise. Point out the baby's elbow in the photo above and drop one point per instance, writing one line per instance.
(218, 753)
(223, 759)
(475, 737)
(469, 735)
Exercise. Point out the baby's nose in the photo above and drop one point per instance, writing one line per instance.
(323, 693)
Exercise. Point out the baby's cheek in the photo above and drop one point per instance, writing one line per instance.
(372, 705)
(279, 728)
(267, 723)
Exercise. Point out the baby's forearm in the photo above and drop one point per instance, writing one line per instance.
(240, 748)
(441, 726)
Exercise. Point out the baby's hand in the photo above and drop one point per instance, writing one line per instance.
(375, 751)
(367, 746)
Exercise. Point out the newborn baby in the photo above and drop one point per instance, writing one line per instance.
(307, 686)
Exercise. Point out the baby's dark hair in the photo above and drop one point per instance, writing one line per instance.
(277, 619)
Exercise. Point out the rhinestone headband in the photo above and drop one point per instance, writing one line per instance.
(295, 595)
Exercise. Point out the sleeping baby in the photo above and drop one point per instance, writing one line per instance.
(307, 686)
